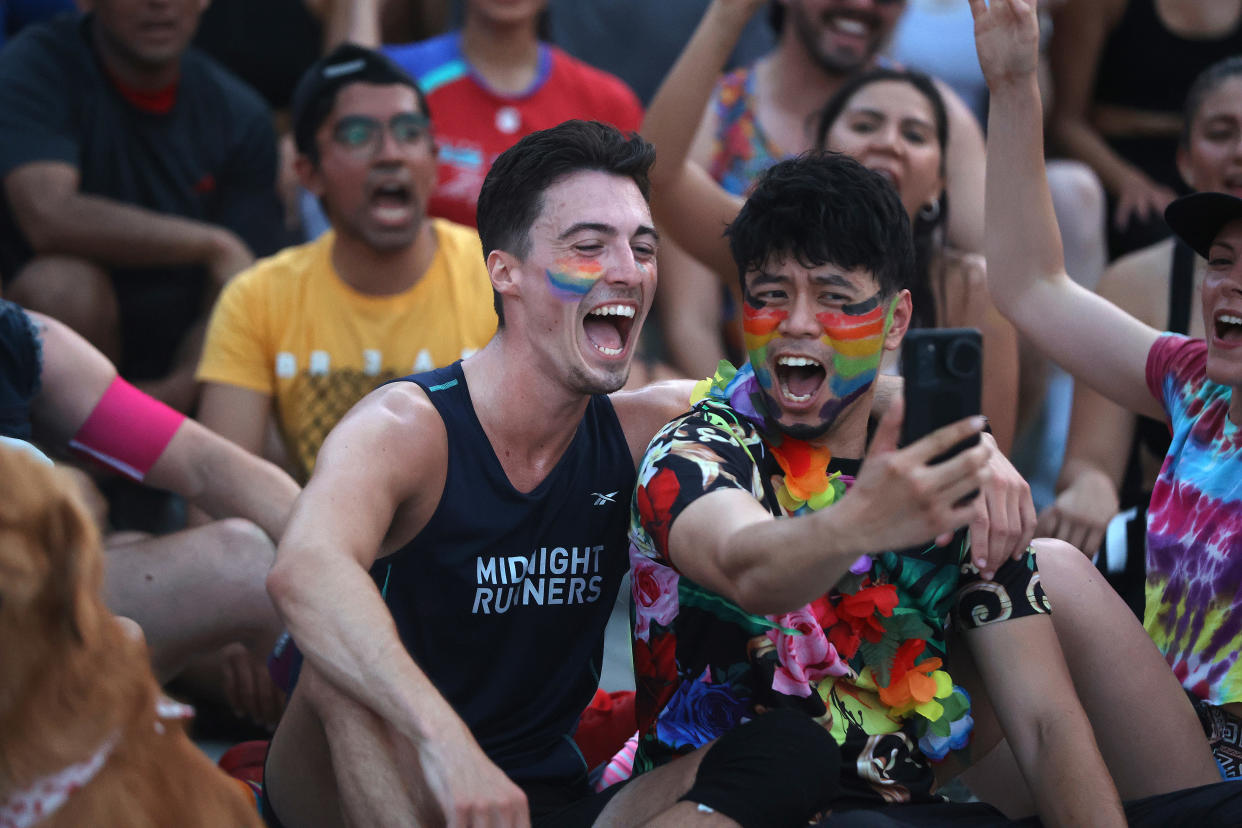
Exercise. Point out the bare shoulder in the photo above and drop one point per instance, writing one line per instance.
(643, 411)
(1138, 283)
(393, 434)
(384, 463)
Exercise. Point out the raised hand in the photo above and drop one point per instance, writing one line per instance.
(1006, 38)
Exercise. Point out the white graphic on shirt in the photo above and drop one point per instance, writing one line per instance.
(320, 362)
(423, 361)
(286, 365)
(508, 120)
(372, 361)
(557, 576)
(466, 353)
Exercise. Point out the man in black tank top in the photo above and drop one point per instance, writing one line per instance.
(488, 500)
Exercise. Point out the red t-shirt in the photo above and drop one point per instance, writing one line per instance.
(474, 124)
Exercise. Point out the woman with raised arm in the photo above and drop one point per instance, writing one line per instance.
(895, 123)
(1112, 458)
(1194, 563)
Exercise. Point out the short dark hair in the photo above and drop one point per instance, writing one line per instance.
(512, 194)
(825, 208)
(316, 92)
(1204, 84)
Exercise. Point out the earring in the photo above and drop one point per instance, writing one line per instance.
(931, 211)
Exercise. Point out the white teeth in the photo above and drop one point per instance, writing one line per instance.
(848, 26)
(608, 351)
(1229, 319)
(797, 361)
(613, 310)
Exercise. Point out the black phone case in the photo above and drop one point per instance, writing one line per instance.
(943, 371)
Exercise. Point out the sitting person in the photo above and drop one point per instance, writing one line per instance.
(193, 592)
(1194, 549)
(495, 80)
(139, 176)
(840, 612)
(305, 334)
(1112, 457)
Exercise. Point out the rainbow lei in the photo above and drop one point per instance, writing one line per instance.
(850, 614)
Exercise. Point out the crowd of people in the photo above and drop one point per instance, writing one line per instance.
(370, 302)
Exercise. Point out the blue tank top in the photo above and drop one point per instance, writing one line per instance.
(503, 596)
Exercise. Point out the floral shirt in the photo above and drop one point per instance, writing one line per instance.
(864, 660)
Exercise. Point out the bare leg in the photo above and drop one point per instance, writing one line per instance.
(333, 763)
(1144, 724)
(195, 591)
(1146, 729)
(77, 293)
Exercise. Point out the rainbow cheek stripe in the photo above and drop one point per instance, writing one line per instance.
(857, 342)
(758, 329)
(573, 279)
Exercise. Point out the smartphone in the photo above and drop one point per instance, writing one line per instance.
(943, 370)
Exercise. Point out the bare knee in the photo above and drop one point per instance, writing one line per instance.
(74, 291)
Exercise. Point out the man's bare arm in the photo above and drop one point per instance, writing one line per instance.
(58, 219)
(726, 539)
(384, 462)
(1024, 670)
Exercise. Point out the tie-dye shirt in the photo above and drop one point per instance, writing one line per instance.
(1194, 526)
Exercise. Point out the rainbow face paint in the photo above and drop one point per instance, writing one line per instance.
(855, 334)
(573, 278)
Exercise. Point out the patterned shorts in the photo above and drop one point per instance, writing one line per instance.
(1224, 734)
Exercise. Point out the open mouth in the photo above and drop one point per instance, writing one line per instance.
(850, 27)
(799, 377)
(1228, 327)
(391, 202)
(608, 328)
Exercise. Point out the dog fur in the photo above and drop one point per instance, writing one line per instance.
(71, 677)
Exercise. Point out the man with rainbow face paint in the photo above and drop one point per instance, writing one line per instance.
(840, 614)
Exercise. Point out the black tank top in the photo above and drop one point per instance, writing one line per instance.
(1152, 436)
(1146, 66)
(502, 598)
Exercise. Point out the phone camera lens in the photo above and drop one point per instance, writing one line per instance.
(962, 358)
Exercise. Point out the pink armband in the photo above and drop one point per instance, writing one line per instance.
(127, 431)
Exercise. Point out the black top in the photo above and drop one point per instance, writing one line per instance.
(268, 44)
(503, 597)
(21, 364)
(1146, 66)
(211, 158)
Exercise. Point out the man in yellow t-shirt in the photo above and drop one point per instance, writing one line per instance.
(387, 292)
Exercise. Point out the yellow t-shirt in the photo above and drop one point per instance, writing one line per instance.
(289, 327)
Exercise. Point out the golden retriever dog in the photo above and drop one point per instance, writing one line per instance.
(86, 738)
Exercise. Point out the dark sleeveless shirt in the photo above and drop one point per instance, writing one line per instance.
(1152, 436)
(503, 596)
(1145, 66)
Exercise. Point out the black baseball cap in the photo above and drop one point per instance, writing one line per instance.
(348, 63)
(1198, 217)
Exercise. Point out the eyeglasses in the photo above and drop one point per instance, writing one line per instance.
(363, 133)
